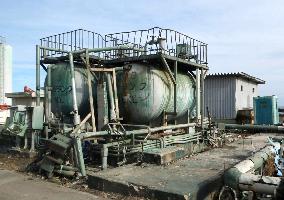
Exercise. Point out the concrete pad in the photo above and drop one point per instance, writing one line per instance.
(196, 177)
(15, 186)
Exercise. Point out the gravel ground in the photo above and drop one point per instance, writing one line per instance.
(17, 163)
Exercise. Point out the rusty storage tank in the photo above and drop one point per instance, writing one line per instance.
(145, 92)
(61, 93)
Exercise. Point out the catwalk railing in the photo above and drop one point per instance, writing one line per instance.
(151, 41)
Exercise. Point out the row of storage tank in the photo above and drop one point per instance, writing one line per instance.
(144, 92)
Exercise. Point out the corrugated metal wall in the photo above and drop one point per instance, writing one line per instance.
(220, 97)
(5, 72)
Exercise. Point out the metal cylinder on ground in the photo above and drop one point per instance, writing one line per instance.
(241, 178)
(254, 128)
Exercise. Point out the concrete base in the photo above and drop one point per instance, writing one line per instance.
(173, 153)
(22, 152)
(196, 177)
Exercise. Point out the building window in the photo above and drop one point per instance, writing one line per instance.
(241, 88)
(252, 90)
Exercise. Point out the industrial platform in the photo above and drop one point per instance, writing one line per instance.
(195, 177)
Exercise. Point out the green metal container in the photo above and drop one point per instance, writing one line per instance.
(61, 93)
(145, 92)
(266, 110)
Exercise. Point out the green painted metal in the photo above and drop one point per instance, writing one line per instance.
(146, 92)
(37, 122)
(79, 152)
(231, 176)
(18, 123)
(265, 110)
(61, 93)
(59, 143)
(47, 165)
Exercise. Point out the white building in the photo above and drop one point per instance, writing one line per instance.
(226, 94)
(5, 71)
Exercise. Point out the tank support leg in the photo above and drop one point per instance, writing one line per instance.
(33, 142)
(18, 141)
(115, 93)
(26, 141)
(104, 154)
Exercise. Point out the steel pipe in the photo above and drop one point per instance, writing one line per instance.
(254, 128)
(79, 153)
(95, 50)
(197, 95)
(111, 97)
(202, 96)
(49, 91)
(37, 75)
(137, 132)
(259, 184)
(240, 178)
(74, 96)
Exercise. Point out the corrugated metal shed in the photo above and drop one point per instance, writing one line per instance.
(226, 93)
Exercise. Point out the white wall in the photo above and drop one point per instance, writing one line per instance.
(244, 99)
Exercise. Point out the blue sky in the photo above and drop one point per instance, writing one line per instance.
(243, 35)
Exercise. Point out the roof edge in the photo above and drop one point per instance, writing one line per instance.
(242, 75)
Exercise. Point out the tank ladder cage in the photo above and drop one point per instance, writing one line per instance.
(71, 41)
(155, 40)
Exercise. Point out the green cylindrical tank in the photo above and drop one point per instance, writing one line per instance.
(146, 91)
(61, 93)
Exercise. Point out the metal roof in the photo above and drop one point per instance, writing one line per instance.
(238, 75)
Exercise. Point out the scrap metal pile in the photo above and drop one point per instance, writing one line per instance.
(249, 179)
